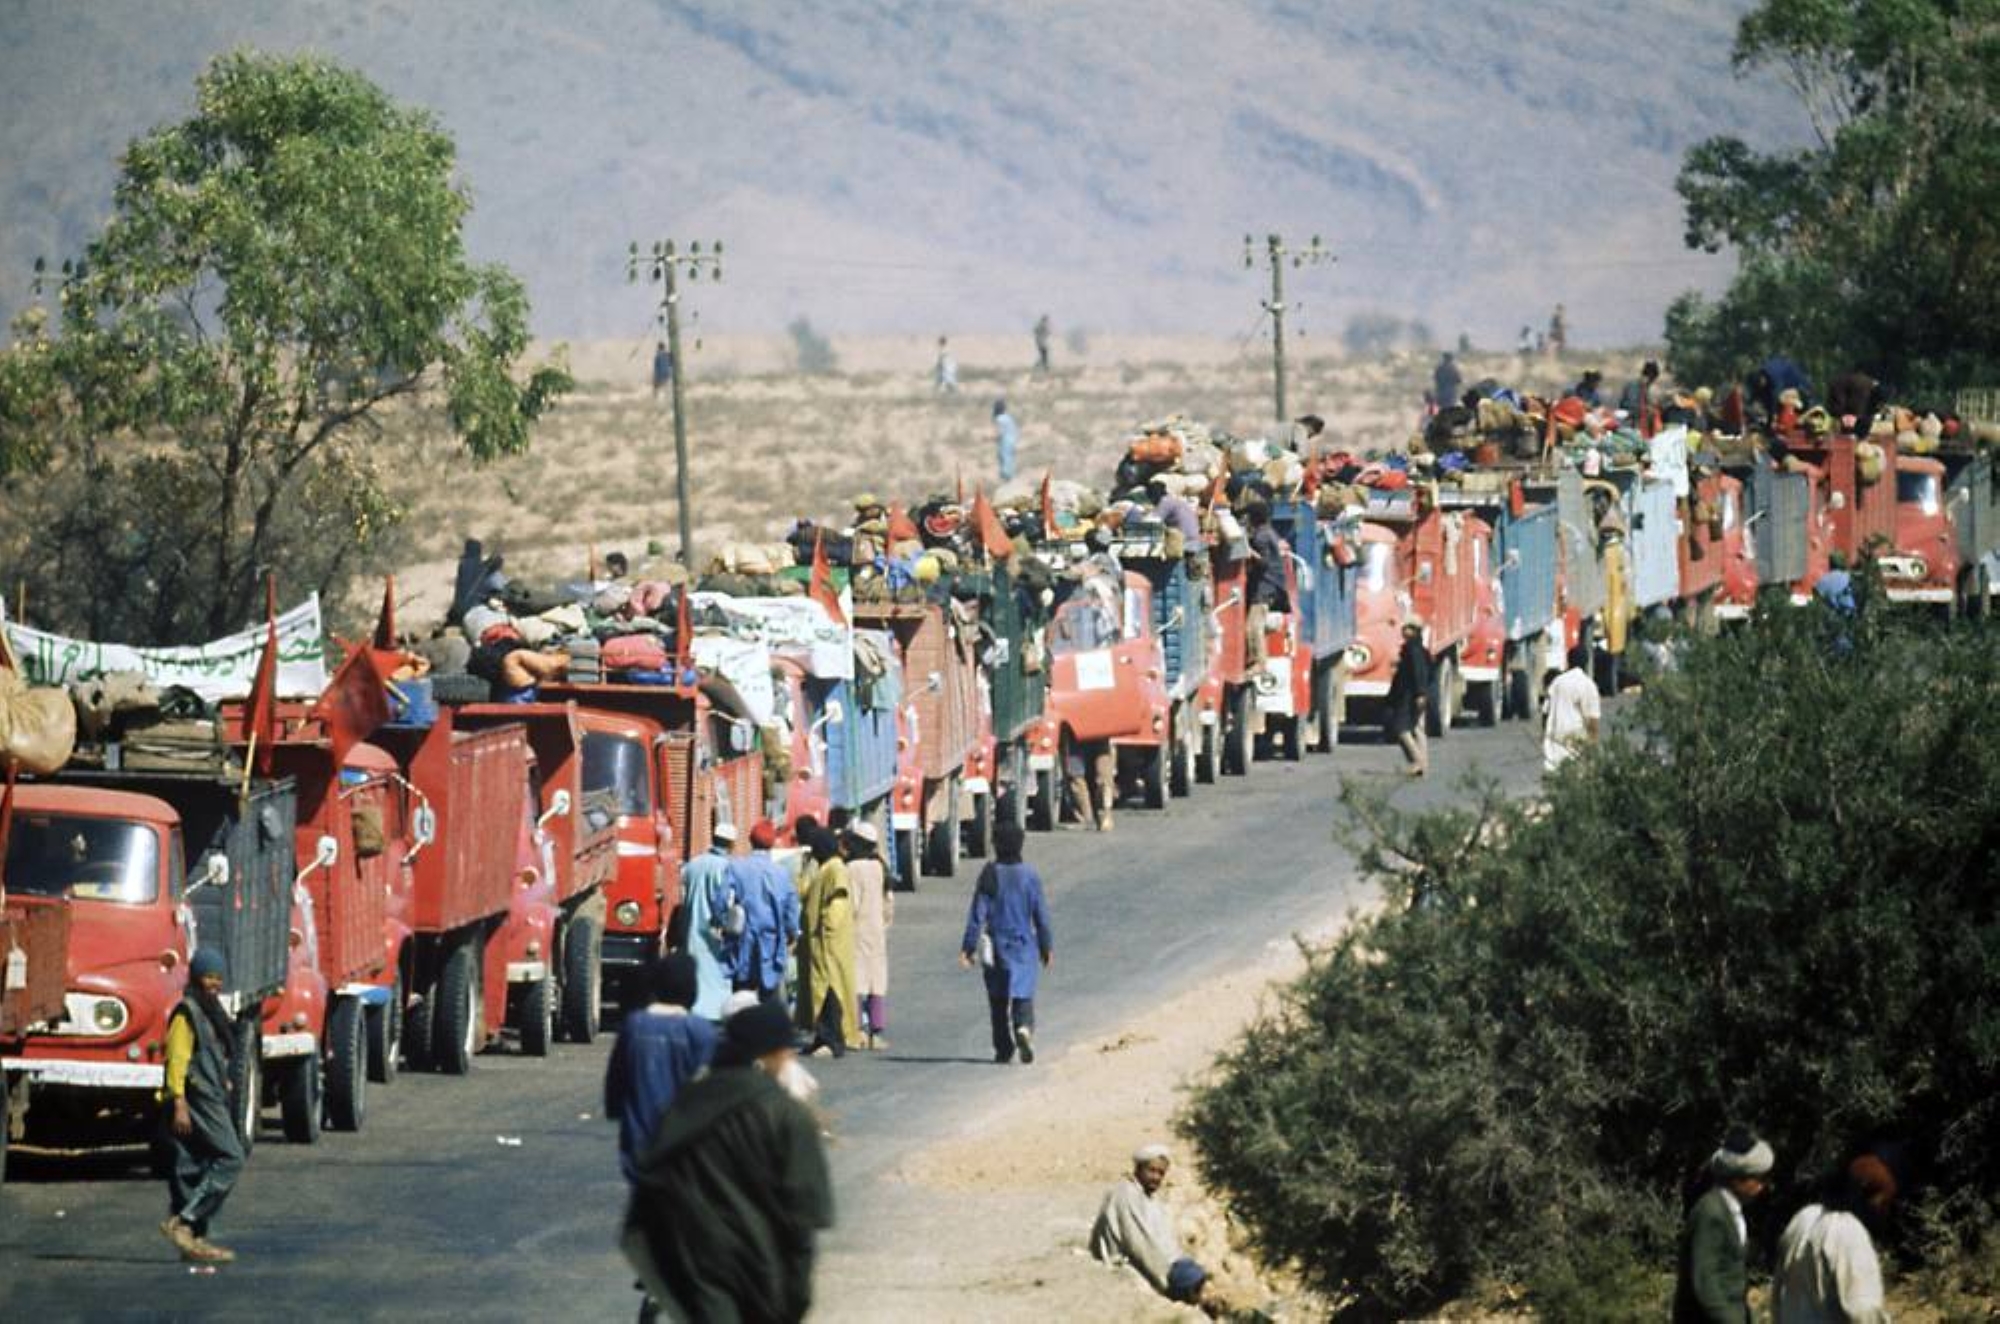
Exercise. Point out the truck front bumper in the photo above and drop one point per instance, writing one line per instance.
(86, 1074)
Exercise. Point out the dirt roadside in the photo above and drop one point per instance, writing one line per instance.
(991, 1224)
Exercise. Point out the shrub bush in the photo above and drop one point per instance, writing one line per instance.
(1768, 896)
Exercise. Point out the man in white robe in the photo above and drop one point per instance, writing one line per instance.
(1134, 1228)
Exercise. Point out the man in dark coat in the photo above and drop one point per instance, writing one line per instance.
(1410, 697)
(1446, 381)
(201, 1122)
(1713, 1283)
(732, 1188)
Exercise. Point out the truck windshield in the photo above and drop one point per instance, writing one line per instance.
(1081, 624)
(1919, 490)
(1375, 561)
(616, 764)
(88, 859)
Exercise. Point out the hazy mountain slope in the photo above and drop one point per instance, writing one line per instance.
(884, 167)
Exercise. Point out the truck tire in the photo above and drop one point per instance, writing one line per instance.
(457, 1030)
(538, 1015)
(1292, 731)
(582, 980)
(1237, 742)
(1012, 805)
(246, 1077)
(1326, 721)
(1520, 695)
(943, 836)
(1154, 778)
(385, 1036)
(1485, 700)
(1180, 774)
(979, 828)
(460, 687)
(905, 841)
(1442, 710)
(346, 1064)
(420, 1029)
(1610, 673)
(1042, 813)
(302, 1099)
(1207, 754)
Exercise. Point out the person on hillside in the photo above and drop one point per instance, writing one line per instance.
(733, 1188)
(1042, 333)
(1574, 712)
(1558, 337)
(1410, 697)
(663, 368)
(829, 1011)
(874, 913)
(770, 904)
(201, 1114)
(1828, 1272)
(1134, 1227)
(1010, 935)
(712, 917)
(946, 372)
(1446, 381)
(1712, 1284)
(1006, 439)
(660, 1048)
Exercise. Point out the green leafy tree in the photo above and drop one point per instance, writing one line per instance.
(1769, 897)
(204, 401)
(1879, 244)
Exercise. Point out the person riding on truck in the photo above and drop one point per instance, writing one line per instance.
(201, 1130)
(1267, 587)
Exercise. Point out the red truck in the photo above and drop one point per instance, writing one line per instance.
(1716, 565)
(670, 761)
(1947, 529)
(1422, 561)
(942, 720)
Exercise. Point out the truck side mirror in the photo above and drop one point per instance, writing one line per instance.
(934, 682)
(214, 873)
(559, 807)
(326, 852)
(834, 714)
(424, 823)
(1837, 501)
(1174, 621)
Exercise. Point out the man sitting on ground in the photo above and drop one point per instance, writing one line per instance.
(1133, 1227)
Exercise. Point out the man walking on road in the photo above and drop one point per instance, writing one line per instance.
(1713, 1283)
(770, 904)
(660, 1049)
(202, 1132)
(874, 913)
(1410, 697)
(1574, 712)
(828, 1009)
(733, 1188)
(1009, 933)
(709, 904)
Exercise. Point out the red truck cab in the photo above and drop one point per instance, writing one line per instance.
(1416, 561)
(1924, 565)
(1106, 671)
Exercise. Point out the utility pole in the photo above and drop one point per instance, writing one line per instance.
(664, 265)
(1276, 254)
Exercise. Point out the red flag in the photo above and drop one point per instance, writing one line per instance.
(385, 623)
(683, 631)
(820, 590)
(901, 527)
(1216, 490)
(1048, 508)
(262, 724)
(961, 486)
(355, 702)
(991, 534)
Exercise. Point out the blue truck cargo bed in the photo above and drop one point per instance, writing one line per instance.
(861, 748)
(1326, 588)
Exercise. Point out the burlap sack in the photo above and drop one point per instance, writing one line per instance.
(37, 726)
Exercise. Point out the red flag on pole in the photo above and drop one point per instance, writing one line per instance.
(991, 534)
(1048, 507)
(820, 590)
(355, 702)
(261, 728)
(385, 622)
(683, 631)
(961, 486)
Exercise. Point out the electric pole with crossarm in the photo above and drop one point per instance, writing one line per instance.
(664, 265)
(1277, 254)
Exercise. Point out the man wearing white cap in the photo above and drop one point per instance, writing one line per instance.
(1133, 1227)
(713, 916)
(1713, 1285)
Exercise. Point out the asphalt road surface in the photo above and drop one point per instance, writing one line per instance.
(497, 1196)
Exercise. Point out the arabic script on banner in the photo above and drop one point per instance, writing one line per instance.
(220, 669)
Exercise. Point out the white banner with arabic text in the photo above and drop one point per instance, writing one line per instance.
(221, 669)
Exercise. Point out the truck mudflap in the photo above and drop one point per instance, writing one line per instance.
(298, 1043)
(86, 1074)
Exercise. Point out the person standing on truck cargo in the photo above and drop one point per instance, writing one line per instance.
(874, 913)
(770, 901)
(1267, 591)
(829, 1011)
(1410, 697)
(1574, 712)
(712, 915)
(1006, 439)
(201, 1124)
(1009, 933)
(1446, 381)
(733, 1188)
(660, 1049)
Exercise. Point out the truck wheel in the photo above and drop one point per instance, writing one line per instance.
(1237, 742)
(906, 859)
(420, 1029)
(979, 828)
(1180, 773)
(1444, 693)
(302, 1099)
(5, 1119)
(1042, 813)
(943, 836)
(582, 980)
(1207, 755)
(385, 1036)
(1610, 675)
(1485, 699)
(538, 1015)
(346, 1064)
(457, 1030)
(1294, 733)
(246, 1077)
(1520, 695)
(1326, 722)
(1155, 776)
(1012, 804)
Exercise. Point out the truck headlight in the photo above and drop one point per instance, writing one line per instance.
(93, 1014)
(1358, 657)
(627, 914)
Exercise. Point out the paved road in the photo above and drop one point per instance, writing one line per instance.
(436, 1210)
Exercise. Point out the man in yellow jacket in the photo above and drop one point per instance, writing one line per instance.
(208, 1152)
(832, 1011)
